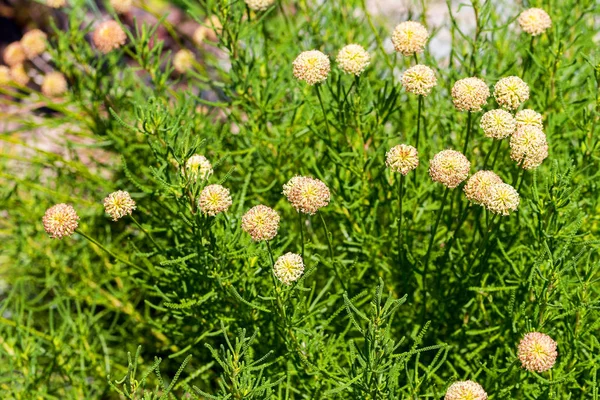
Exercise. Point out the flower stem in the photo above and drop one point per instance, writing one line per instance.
(419, 111)
(333, 264)
(430, 246)
(301, 233)
(466, 147)
(400, 194)
(318, 89)
(146, 233)
(116, 257)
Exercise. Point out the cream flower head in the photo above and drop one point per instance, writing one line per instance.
(477, 188)
(470, 94)
(529, 117)
(119, 204)
(34, 43)
(311, 67)
(60, 220)
(402, 158)
(449, 167)
(183, 60)
(353, 59)
(198, 166)
(288, 268)
(307, 195)
(465, 390)
(419, 79)
(511, 92)
(14, 54)
(54, 84)
(259, 5)
(498, 124)
(528, 146)
(214, 199)
(261, 223)
(409, 37)
(109, 36)
(537, 352)
(503, 199)
(535, 21)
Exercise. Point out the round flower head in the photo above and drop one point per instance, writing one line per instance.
(199, 35)
(498, 124)
(214, 199)
(19, 75)
(261, 222)
(121, 6)
(14, 54)
(183, 60)
(529, 117)
(353, 59)
(311, 67)
(402, 158)
(511, 92)
(197, 166)
(449, 167)
(306, 194)
(470, 94)
(537, 352)
(60, 221)
(477, 188)
(503, 199)
(409, 38)
(534, 21)
(34, 43)
(4, 75)
(108, 36)
(419, 79)
(465, 390)
(54, 84)
(56, 3)
(119, 204)
(288, 268)
(528, 146)
(259, 5)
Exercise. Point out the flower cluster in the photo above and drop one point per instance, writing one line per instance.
(121, 6)
(465, 390)
(537, 352)
(214, 199)
(183, 60)
(60, 220)
(528, 146)
(261, 223)
(529, 117)
(470, 94)
(311, 67)
(34, 43)
(307, 195)
(503, 199)
(419, 79)
(402, 158)
(119, 204)
(288, 268)
(198, 167)
(353, 59)
(109, 36)
(498, 124)
(534, 21)
(409, 37)
(449, 167)
(477, 188)
(511, 92)
(54, 84)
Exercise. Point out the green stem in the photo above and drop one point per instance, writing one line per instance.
(146, 233)
(301, 233)
(317, 88)
(400, 194)
(430, 246)
(466, 146)
(330, 244)
(419, 111)
(116, 257)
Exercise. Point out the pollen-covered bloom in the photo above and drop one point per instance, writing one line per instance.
(311, 67)
(198, 166)
(14, 54)
(535, 21)
(477, 188)
(183, 60)
(259, 5)
(306, 194)
(121, 6)
(402, 158)
(470, 94)
(119, 204)
(109, 36)
(56, 3)
(511, 92)
(60, 220)
(54, 84)
(502, 199)
(537, 352)
(19, 75)
(409, 37)
(529, 117)
(353, 59)
(528, 147)
(261, 222)
(498, 124)
(465, 390)
(288, 268)
(419, 79)
(449, 167)
(34, 43)
(214, 199)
